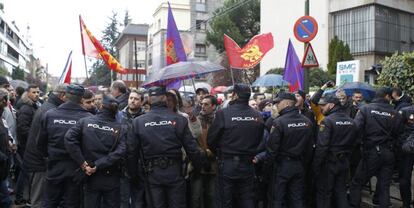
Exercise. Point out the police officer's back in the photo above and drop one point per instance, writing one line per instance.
(97, 144)
(405, 159)
(60, 166)
(235, 136)
(160, 134)
(291, 133)
(380, 125)
(336, 138)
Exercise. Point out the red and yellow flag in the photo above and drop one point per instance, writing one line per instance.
(93, 48)
(251, 54)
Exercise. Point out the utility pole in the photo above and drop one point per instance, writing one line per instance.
(306, 69)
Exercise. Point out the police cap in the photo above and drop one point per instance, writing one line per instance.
(108, 100)
(75, 89)
(157, 91)
(284, 96)
(329, 98)
(242, 90)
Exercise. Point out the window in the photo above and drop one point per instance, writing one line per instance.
(200, 25)
(2, 23)
(200, 5)
(141, 46)
(200, 49)
(374, 28)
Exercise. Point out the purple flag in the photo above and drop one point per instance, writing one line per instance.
(174, 49)
(293, 70)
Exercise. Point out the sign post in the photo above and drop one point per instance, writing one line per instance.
(305, 30)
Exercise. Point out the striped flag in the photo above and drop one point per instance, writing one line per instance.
(65, 77)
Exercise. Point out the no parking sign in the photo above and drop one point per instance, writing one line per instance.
(305, 29)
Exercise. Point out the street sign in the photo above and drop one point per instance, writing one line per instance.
(309, 58)
(305, 29)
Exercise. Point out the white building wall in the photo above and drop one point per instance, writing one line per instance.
(279, 18)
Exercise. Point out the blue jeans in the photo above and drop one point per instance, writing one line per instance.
(5, 200)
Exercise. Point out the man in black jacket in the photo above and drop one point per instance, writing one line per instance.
(400, 99)
(234, 136)
(381, 126)
(59, 186)
(121, 93)
(97, 144)
(336, 138)
(291, 133)
(160, 135)
(26, 108)
(33, 160)
(132, 189)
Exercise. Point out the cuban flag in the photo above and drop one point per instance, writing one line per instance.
(65, 77)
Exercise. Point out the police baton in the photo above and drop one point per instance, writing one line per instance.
(146, 169)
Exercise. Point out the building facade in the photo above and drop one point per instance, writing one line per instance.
(191, 17)
(373, 29)
(132, 48)
(15, 50)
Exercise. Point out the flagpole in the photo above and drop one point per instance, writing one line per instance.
(83, 47)
(86, 68)
(232, 75)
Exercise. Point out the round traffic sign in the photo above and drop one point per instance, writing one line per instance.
(305, 29)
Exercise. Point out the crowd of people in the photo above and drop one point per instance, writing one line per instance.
(157, 149)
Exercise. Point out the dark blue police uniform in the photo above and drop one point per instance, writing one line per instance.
(99, 140)
(235, 135)
(59, 186)
(336, 139)
(161, 134)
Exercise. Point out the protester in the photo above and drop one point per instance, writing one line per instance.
(121, 92)
(26, 108)
(203, 178)
(132, 189)
(5, 154)
(88, 102)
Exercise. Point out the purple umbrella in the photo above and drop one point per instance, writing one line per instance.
(181, 71)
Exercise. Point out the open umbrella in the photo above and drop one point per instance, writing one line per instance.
(367, 90)
(270, 80)
(19, 83)
(181, 71)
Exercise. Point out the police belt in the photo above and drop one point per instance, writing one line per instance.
(236, 157)
(378, 147)
(333, 156)
(162, 162)
(282, 156)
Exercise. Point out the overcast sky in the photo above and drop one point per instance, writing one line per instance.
(54, 25)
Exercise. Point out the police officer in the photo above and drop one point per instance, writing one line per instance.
(160, 135)
(336, 137)
(234, 137)
(290, 134)
(380, 124)
(59, 186)
(97, 144)
(406, 162)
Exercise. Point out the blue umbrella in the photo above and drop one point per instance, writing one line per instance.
(367, 90)
(270, 80)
